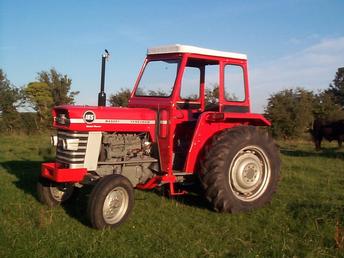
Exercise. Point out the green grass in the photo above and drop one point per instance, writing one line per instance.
(300, 221)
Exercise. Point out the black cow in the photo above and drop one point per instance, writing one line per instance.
(330, 131)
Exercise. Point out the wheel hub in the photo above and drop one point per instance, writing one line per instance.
(249, 172)
(115, 205)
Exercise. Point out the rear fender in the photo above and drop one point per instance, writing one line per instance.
(212, 123)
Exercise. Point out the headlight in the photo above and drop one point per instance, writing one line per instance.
(70, 144)
(62, 119)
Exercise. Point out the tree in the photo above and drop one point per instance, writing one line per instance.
(9, 95)
(9, 98)
(51, 89)
(291, 112)
(59, 86)
(326, 108)
(40, 96)
(304, 106)
(212, 95)
(120, 98)
(336, 88)
(158, 92)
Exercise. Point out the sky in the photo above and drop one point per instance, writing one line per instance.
(289, 44)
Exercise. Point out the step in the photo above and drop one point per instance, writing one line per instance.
(181, 173)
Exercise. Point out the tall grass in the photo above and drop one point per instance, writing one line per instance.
(305, 218)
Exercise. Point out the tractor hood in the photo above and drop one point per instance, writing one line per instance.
(111, 119)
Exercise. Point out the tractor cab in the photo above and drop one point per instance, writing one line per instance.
(193, 78)
(183, 82)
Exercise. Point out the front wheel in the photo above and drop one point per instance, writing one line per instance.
(52, 193)
(241, 170)
(111, 202)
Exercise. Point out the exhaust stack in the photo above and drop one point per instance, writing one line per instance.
(102, 95)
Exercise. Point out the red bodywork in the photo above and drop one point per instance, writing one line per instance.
(145, 114)
(109, 119)
(54, 172)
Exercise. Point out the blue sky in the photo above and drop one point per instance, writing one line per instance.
(289, 43)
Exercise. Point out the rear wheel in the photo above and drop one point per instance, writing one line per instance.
(52, 193)
(241, 169)
(111, 202)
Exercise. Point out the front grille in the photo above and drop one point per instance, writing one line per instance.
(71, 158)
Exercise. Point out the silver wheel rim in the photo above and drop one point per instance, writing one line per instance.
(61, 193)
(115, 205)
(249, 173)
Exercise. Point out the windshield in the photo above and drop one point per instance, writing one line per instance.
(158, 78)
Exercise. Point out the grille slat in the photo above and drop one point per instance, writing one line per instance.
(79, 151)
(73, 134)
(70, 158)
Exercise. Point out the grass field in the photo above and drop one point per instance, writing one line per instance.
(300, 222)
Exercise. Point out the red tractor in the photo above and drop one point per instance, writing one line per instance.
(170, 134)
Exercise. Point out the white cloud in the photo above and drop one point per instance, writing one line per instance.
(312, 68)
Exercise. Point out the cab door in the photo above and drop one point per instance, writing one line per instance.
(188, 106)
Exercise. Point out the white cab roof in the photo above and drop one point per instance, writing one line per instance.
(177, 48)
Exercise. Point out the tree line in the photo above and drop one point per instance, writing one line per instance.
(291, 111)
(50, 89)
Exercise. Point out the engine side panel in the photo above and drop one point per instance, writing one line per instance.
(105, 119)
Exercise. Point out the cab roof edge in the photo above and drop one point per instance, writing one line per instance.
(178, 48)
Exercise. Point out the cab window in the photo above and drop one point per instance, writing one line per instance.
(190, 85)
(234, 83)
(158, 78)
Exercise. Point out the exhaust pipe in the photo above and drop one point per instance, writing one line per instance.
(102, 95)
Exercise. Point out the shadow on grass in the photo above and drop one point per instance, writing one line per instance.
(27, 173)
(193, 198)
(326, 153)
